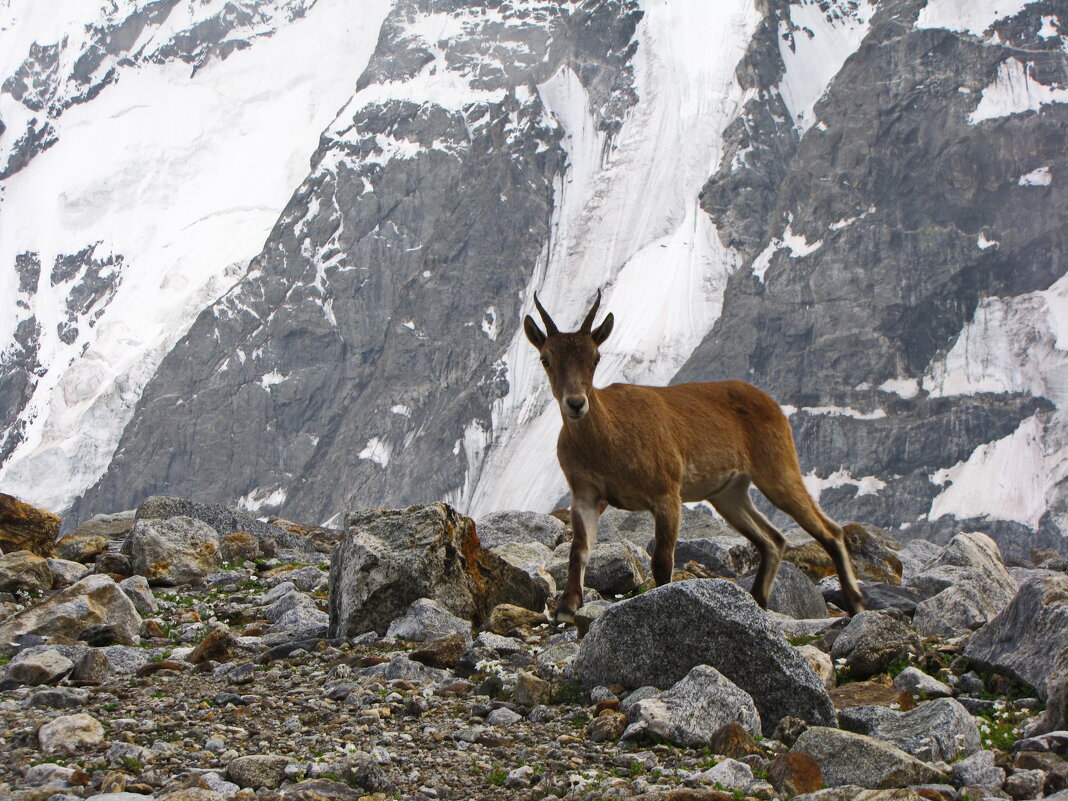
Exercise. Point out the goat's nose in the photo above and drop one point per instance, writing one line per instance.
(576, 402)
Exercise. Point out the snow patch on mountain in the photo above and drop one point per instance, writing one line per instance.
(1015, 91)
(627, 221)
(183, 176)
(1011, 345)
(814, 43)
(968, 16)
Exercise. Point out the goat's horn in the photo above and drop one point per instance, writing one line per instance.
(587, 324)
(550, 326)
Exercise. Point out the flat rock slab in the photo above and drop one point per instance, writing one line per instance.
(848, 758)
(655, 639)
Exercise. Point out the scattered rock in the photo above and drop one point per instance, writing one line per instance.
(729, 774)
(258, 770)
(530, 690)
(978, 770)
(443, 652)
(846, 758)
(426, 620)
(587, 613)
(239, 546)
(821, 663)
(137, 590)
(1025, 639)
(694, 709)
(26, 528)
(392, 557)
(70, 733)
(608, 725)
(219, 645)
(658, 637)
(876, 692)
(84, 548)
(914, 681)
(225, 521)
(530, 559)
(24, 571)
(936, 731)
(46, 667)
(507, 618)
(64, 572)
(872, 641)
(794, 773)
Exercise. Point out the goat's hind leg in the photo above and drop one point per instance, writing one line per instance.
(736, 507)
(796, 502)
(584, 528)
(666, 517)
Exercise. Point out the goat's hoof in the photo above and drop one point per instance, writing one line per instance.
(564, 616)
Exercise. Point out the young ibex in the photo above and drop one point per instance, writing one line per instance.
(652, 448)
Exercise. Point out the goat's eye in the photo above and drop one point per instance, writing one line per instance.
(545, 361)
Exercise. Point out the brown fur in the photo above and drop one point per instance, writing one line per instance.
(653, 448)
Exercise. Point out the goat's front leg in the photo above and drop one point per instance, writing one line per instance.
(584, 526)
(666, 516)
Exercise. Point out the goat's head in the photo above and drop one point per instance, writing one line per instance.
(569, 359)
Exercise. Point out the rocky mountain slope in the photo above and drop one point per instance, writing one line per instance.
(852, 204)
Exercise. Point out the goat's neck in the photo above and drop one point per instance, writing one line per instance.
(595, 426)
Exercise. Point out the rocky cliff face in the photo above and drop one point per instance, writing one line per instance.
(854, 205)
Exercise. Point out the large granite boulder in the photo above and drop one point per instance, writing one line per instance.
(1026, 637)
(83, 548)
(656, 638)
(26, 528)
(96, 600)
(392, 557)
(694, 709)
(176, 550)
(533, 584)
(846, 758)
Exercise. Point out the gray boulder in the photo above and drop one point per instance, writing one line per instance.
(95, 600)
(658, 637)
(70, 733)
(936, 731)
(918, 684)
(178, 550)
(694, 709)
(865, 719)
(960, 608)
(1026, 637)
(24, 571)
(391, 557)
(615, 568)
(846, 758)
(512, 527)
(258, 770)
(426, 620)
(530, 559)
(402, 667)
(303, 622)
(65, 572)
(916, 555)
(137, 590)
(978, 770)
(729, 554)
(793, 593)
(965, 586)
(46, 667)
(871, 641)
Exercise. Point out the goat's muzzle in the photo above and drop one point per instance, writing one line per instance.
(575, 407)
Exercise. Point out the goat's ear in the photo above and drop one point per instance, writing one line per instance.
(601, 332)
(534, 334)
